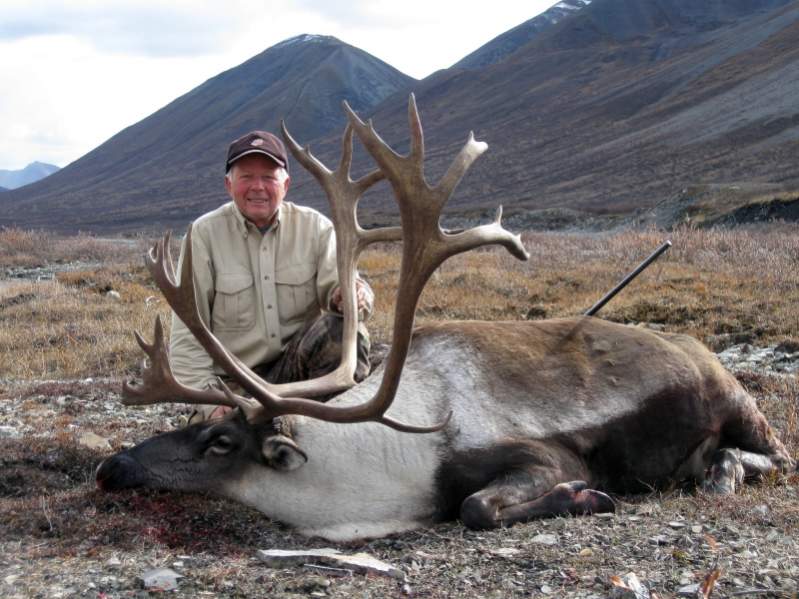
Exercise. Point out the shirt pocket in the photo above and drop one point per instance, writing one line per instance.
(296, 292)
(234, 302)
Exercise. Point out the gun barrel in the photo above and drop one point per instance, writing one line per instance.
(609, 295)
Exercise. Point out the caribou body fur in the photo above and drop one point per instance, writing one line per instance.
(536, 406)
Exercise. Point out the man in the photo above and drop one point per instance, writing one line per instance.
(264, 274)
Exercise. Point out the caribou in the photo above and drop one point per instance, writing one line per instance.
(494, 423)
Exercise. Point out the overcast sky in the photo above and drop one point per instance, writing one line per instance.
(74, 73)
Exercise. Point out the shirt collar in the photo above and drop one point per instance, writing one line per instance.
(244, 225)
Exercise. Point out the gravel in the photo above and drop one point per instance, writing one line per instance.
(60, 537)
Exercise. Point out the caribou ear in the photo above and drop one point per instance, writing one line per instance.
(282, 453)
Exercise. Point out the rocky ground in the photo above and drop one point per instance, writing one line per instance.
(63, 538)
(60, 537)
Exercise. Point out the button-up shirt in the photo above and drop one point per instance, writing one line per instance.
(254, 290)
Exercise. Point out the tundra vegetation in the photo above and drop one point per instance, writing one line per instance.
(57, 533)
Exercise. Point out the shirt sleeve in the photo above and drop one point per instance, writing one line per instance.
(190, 363)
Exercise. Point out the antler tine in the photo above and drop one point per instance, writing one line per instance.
(160, 386)
(470, 152)
(390, 163)
(493, 233)
(417, 135)
(304, 156)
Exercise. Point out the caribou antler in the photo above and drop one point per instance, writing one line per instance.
(425, 247)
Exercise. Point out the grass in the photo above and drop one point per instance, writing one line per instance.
(714, 284)
(26, 248)
(709, 284)
(58, 530)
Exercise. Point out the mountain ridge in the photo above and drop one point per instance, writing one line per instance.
(167, 168)
(608, 110)
(12, 179)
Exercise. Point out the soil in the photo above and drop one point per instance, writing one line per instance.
(61, 537)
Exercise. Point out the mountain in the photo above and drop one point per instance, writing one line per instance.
(507, 43)
(615, 109)
(609, 108)
(31, 173)
(167, 169)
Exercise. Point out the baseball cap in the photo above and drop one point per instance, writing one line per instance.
(257, 142)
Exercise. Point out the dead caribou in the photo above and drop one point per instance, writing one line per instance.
(521, 419)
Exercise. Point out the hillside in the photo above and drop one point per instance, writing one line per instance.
(607, 110)
(619, 107)
(168, 168)
(507, 43)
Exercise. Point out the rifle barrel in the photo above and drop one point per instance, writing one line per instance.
(609, 295)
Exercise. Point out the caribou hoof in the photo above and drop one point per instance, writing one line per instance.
(577, 499)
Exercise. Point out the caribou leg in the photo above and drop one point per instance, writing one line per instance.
(729, 468)
(526, 495)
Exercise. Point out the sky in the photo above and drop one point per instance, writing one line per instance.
(73, 73)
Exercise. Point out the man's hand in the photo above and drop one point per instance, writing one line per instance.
(219, 412)
(363, 294)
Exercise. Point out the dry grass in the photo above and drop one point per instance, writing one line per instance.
(715, 285)
(710, 283)
(59, 534)
(72, 328)
(24, 248)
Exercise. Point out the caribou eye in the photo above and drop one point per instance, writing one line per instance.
(221, 445)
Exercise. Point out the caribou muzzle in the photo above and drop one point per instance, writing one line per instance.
(120, 471)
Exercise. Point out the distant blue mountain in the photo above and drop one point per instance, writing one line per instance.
(30, 174)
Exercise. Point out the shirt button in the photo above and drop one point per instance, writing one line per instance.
(269, 306)
(266, 277)
(272, 335)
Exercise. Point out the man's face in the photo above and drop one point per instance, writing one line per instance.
(257, 185)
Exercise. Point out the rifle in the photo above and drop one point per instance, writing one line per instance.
(624, 282)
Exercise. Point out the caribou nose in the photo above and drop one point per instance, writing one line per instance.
(119, 472)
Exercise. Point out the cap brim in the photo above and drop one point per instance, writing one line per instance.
(269, 155)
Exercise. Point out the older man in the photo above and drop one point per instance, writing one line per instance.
(265, 277)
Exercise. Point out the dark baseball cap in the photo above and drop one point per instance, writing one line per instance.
(257, 142)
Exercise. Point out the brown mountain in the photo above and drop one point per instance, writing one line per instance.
(609, 110)
(167, 169)
(619, 107)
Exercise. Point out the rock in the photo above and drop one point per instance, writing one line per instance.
(93, 441)
(587, 552)
(761, 510)
(545, 539)
(9, 432)
(628, 587)
(691, 590)
(114, 295)
(113, 562)
(361, 563)
(660, 540)
(314, 583)
(163, 579)
(505, 551)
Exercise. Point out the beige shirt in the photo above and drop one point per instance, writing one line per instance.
(256, 290)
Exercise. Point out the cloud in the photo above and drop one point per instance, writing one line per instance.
(75, 73)
(143, 28)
